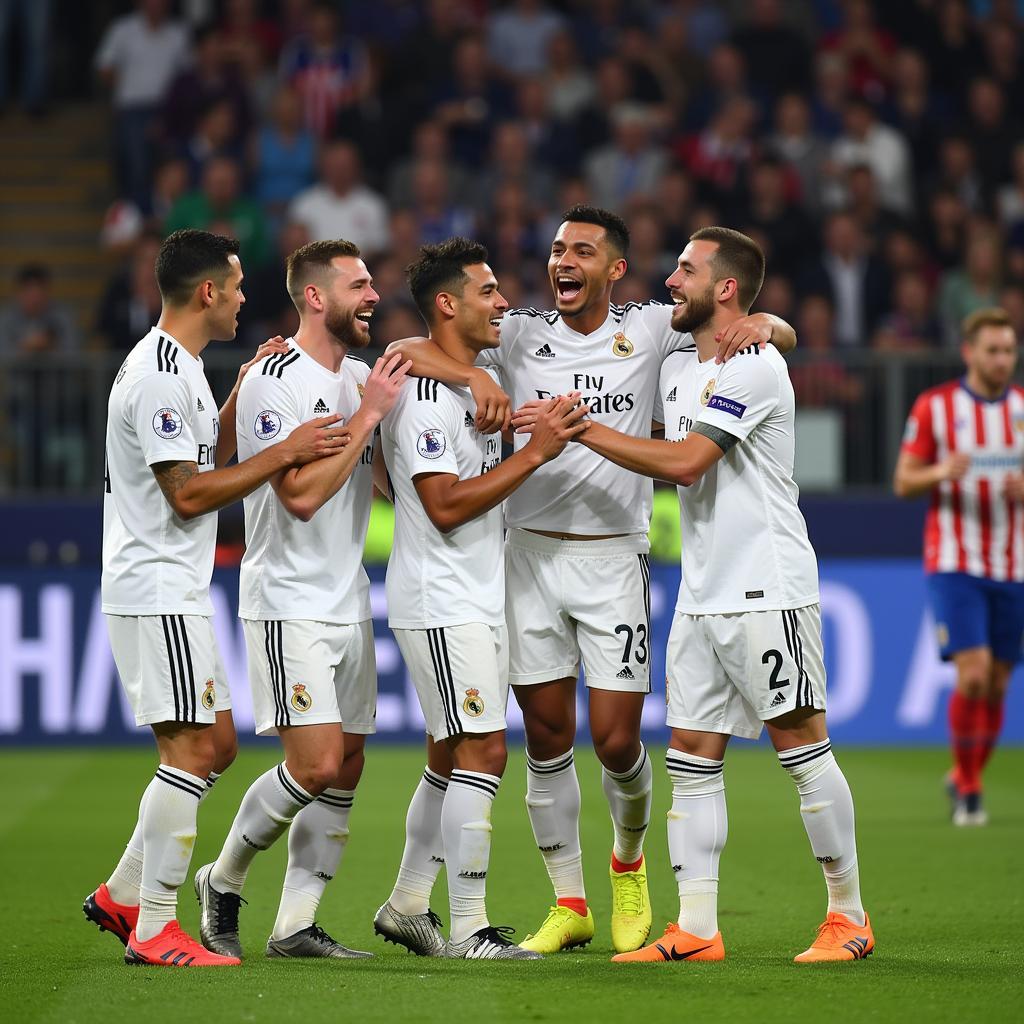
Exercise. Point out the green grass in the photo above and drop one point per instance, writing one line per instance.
(947, 905)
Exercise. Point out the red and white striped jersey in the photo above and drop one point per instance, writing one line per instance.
(972, 526)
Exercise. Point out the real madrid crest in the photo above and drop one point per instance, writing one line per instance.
(360, 389)
(209, 697)
(709, 390)
(473, 705)
(621, 345)
(300, 699)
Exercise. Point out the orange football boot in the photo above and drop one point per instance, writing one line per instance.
(173, 947)
(676, 944)
(117, 918)
(839, 939)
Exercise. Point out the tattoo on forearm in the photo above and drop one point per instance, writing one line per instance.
(722, 438)
(172, 476)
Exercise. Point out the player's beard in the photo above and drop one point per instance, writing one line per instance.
(341, 325)
(695, 314)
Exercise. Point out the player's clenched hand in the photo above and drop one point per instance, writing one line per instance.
(384, 385)
(316, 439)
(556, 424)
(268, 348)
(1014, 487)
(526, 415)
(740, 334)
(955, 466)
(493, 406)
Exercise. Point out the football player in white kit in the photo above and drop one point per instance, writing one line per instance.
(166, 472)
(446, 603)
(745, 647)
(305, 605)
(577, 577)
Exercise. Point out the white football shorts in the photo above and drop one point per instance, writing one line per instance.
(169, 667)
(568, 599)
(730, 673)
(461, 676)
(311, 673)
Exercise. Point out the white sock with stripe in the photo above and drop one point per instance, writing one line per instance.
(423, 855)
(123, 884)
(698, 827)
(466, 828)
(267, 809)
(826, 806)
(629, 799)
(553, 803)
(168, 836)
(316, 842)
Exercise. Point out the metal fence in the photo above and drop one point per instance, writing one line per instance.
(851, 411)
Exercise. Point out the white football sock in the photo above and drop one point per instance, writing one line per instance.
(123, 884)
(466, 828)
(629, 799)
(826, 806)
(553, 803)
(424, 848)
(267, 809)
(316, 842)
(697, 829)
(168, 836)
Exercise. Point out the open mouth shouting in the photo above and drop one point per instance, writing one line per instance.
(568, 287)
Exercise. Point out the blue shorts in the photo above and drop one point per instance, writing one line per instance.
(971, 611)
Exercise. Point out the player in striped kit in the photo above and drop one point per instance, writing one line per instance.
(964, 444)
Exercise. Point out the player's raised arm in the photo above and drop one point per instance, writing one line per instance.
(493, 406)
(917, 471)
(754, 329)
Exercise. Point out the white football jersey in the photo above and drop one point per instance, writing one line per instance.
(745, 545)
(160, 409)
(292, 569)
(616, 368)
(434, 578)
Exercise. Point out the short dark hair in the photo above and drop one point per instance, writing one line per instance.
(189, 256)
(441, 268)
(614, 226)
(33, 273)
(314, 260)
(737, 256)
(976, 322)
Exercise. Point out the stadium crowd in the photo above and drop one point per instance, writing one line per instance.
(872, 149)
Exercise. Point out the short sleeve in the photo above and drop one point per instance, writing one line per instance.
(425, 428)
(919, 433)
(108, 53)
(160, 408)
(658, 321)
(745, 394)
(266, 410)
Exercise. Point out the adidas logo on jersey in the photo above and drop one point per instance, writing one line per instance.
(625, 674)
(545, 352)
(671, 396)
(199, 405)
(321, 407)
(469, 421)
(779, 698)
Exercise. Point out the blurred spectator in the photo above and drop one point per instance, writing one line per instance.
(911, 325)
(330, 71)
(865, 140)
(518, 37)
(429, 142)
(770, 211)
(956, 171)
(903, 252)
(594, 125)
(652, 82)
(283, 154)
(991, 131)
(875, 220)
(795, 143)
(914, 112)
(552, 143)
(866, 49)
(208, 81)
(219, 202)
(340, 205)
(777, 56)
(268, 309)
(946, 227)
(971, 286)
(628, 166)
(139, 56)
(705, 21)
(830, 94)
(438, 214)
(215, 136)
(820, 379)
(649, 260)
(1012, 300)
(725, 80)
(776, 296)
(718, 156)
(33, 321)
(852, 279)
(32, 18)
(1010, 199)
(131, 301)
(1003, 59)
(399, 320)
(512, 161)
(567, 82)
(955, 48)
(244, 30)
(674, 195)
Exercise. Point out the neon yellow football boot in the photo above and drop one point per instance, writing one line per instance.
(631, 908)
(562, 929)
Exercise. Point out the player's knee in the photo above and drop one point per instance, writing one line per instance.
(547, 736)
(319, 773)
(972, 682)
(225, 752)
(617, 749)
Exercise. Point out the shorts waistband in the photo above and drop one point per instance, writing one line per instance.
(629, 544)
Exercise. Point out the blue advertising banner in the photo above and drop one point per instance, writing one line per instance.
(58, 683)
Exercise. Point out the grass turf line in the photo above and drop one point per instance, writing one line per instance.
(946, 904)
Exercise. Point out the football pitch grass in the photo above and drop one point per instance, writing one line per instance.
(946, 904)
